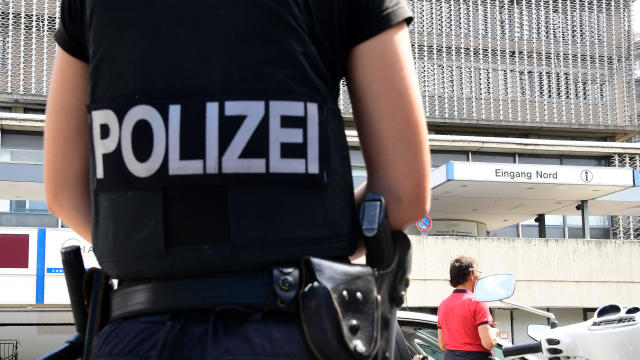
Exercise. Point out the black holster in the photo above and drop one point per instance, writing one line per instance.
(349, 311)
(89, 294)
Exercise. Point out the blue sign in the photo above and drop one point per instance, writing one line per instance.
(424, 224)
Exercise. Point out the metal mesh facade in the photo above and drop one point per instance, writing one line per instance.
(557, 63)
(27, 47)
(625, 227)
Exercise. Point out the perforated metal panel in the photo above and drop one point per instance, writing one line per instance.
(625, 227)
(554, 63)
(27, 47)
(560, 63)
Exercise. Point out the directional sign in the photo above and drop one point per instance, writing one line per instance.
(424, 224)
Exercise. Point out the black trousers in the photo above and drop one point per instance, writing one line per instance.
(226, 334)
(467, 355)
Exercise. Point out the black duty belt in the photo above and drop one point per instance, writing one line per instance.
(274, 290)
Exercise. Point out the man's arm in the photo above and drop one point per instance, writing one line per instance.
(441, 340)
(391, 124)
(488, 336)
(66, 144)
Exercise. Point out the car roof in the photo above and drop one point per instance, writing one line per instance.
(411, 315)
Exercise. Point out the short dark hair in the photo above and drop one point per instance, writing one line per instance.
(460, 269)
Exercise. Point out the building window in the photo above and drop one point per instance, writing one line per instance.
(21, 147)
(583, 161)
(492, 157)
(539, 160)
(24, 206)
(439, 158)
(560, 227)
(562, 160)
(18, 206)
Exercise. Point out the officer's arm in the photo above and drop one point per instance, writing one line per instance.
(66, 144)
(391, 124)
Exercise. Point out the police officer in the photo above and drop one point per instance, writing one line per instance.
(200, 146)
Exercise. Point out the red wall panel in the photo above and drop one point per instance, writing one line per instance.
(14, 251)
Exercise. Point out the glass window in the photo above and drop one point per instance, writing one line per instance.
(529, 231)
(509, 231)
(555, 232)
(21, 147)
(598, 221)
(594, 233)
(536, 159)
(33, 111)
(492, 157)
(574, 221)
(24, 206)
(19, 206)
(359, 176)
(356, 158)
(600, 233)
(554, 220)
(37, 207)
(584, 161)
(439, 158)
(575, 233)
(24, 141)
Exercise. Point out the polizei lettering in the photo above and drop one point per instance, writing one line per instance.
(216, 137)
(528, 175)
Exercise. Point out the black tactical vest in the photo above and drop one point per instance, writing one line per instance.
(216, 141)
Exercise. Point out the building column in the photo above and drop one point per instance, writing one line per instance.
(542, 226)
(584, 208)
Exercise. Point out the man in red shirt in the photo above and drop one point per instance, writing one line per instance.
(465, 326)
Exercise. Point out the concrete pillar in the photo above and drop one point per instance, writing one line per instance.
(542, 226)
(584, 208)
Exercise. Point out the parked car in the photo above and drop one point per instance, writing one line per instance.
(420, 332)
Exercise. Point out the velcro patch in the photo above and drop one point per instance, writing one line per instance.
(196, 141)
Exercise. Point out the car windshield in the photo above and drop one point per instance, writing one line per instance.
(423, 340)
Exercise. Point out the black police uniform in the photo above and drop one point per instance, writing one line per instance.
(217, 149)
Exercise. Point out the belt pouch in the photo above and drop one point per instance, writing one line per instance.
(340, 309)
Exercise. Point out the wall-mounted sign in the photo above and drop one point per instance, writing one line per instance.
(424, 224)
(541, 174)
(458, 228)
(59, 238)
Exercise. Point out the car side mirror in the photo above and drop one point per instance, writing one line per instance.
(535, 331)
(495, 287)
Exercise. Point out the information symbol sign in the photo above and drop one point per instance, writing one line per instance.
(586, 176)
(424, 224)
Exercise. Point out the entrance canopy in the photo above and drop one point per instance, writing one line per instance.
(500, 195)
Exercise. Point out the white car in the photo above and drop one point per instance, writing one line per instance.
(420, 333)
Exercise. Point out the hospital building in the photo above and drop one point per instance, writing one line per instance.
(533, 109)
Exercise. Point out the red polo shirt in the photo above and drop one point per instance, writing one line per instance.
(459, 316)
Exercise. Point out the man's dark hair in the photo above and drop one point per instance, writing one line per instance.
(460, 269)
